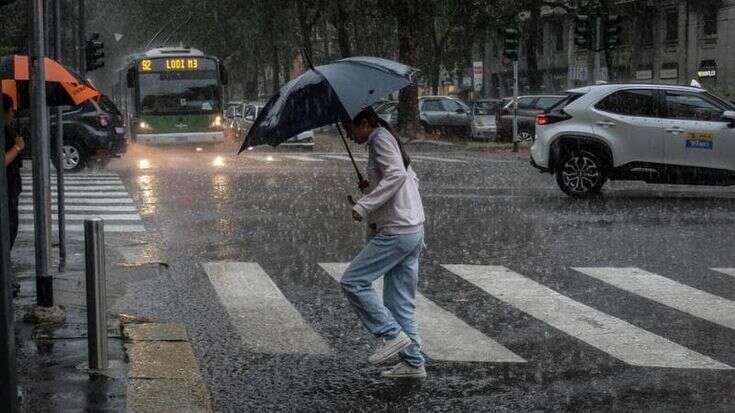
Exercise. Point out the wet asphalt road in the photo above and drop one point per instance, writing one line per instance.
(290, 214)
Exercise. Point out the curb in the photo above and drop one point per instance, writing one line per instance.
(163, 374)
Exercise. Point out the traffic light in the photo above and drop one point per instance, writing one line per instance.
(95, 52)
(613, 30)
(511, 41)
(583, 31)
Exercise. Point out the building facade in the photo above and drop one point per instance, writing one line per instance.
(664, 41)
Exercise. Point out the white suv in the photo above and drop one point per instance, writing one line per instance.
(652, 133)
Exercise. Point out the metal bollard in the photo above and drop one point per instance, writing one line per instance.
(94, 254)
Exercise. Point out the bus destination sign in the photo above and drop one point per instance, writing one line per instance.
(172, 64)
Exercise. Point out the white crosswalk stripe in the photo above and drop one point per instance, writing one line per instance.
(266, 320)
(726, 271)
(78, 194)
(82, 217)
(609, 334)
(86, 208)
(73, 187)
(445, 336)
(109, 228)
(668, 292)
(83, 200)
(87, 196)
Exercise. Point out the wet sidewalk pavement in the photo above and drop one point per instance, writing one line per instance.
(151, 364)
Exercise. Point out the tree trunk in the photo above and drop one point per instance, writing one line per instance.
(535, 79)
(343, 35)
(407, 17)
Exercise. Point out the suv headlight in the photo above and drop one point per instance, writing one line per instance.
(217, 122)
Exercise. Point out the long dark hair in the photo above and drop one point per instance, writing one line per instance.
(376, 121)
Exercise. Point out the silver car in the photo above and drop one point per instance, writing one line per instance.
(444, 114)
(483, 124)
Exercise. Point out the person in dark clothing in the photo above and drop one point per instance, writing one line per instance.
(14, 145)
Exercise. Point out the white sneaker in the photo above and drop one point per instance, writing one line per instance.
(403, 370)
(390, 349)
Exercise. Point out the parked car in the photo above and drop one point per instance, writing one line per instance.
(388, 111)
(250, 113)
(528, 108)
(652, 133)
(483, 114)
(94, 130)
(444, 114)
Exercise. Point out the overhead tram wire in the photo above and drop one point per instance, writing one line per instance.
(186, 23)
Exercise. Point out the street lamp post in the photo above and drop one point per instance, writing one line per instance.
(41, 159)
(59, 145)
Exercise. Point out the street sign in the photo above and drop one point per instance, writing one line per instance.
(477, 75)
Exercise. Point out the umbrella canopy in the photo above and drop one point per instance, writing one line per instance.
(326, 95)
(63, 86)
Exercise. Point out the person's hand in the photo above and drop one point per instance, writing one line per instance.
(363, 185)
(20, 143)
(356, 216)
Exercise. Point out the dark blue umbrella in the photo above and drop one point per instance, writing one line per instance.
(326, 95)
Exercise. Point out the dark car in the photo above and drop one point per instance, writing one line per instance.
(94, 130)
(528, 108)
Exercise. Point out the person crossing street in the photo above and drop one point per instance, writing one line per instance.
(395, 214)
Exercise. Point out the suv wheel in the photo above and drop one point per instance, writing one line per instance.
(581, 174)
(75, 158)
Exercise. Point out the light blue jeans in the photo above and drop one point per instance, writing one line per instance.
(396, 258)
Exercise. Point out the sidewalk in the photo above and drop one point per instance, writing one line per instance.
(152, 366)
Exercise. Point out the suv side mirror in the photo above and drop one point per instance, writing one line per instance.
(729, 116)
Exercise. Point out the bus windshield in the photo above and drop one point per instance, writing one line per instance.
(179, 92)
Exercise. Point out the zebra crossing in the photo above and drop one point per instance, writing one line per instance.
(325, 157)
(86, 196)
(269, 323)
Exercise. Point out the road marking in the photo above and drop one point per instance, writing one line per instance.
(77, 200)
(76, 175)
(431, 158)
(84, 181)
(303, 158)
(726, 271)
(81, 194)
(80, 228)
(445, 336)
(344, 157)
(82, 217)
(83, 188)
(668, 292)
(264, 158)
(265, 319)
(86, 208)
(611, 335)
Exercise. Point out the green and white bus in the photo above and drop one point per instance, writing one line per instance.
(172, 96)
